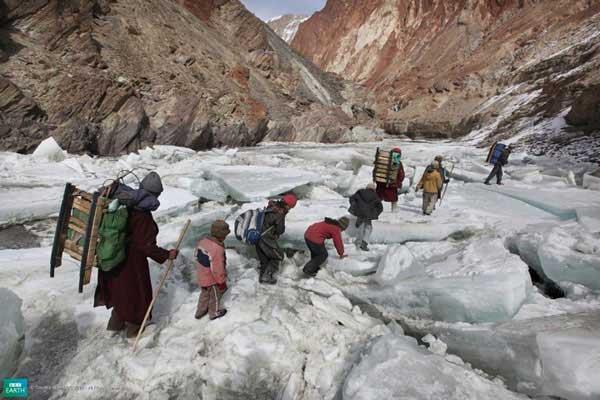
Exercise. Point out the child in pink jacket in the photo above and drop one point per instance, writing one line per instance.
(211, 271)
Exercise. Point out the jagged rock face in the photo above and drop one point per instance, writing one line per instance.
(434, 64)
(286, 26)
(109, 77)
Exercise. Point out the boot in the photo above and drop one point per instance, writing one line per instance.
(219, 314)
(114, 323)
(132, 330)
(487, 183)
(262, 276)
(269, 278)
(364, 246)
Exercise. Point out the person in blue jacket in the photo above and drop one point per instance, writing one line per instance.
(497, 170)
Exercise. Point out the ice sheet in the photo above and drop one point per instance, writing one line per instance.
(548, 356)
(395, 367)
(12, 332)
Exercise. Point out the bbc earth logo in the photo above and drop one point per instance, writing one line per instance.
(13, 388)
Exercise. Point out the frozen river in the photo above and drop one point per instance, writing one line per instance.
(460, 278)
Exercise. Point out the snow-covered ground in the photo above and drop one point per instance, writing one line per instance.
(461, 275)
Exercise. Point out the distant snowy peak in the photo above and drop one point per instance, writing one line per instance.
(287, 25)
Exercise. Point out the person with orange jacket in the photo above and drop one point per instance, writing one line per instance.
(315, 237)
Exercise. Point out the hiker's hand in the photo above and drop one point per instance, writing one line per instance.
(222, 287)
(173, 253)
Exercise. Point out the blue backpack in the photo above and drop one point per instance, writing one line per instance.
(248, 226)
(495, 153)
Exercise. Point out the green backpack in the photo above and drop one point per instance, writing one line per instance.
(112, 246)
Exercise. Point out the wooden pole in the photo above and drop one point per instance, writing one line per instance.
(162, 281)
(447, 184)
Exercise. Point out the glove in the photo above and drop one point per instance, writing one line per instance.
(222, 287)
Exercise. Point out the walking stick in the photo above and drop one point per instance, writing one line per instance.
(162, 281)
(446, 188)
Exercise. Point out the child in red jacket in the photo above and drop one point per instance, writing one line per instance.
(211, 271)
(315, 237)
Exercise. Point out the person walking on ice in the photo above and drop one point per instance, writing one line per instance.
(366, 206)
(501, 162)
(211, 271)
(267, 248)
(388, 192)
(431, 183)
(315, 237)
(127, 288)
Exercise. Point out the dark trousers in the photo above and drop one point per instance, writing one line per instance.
(318, 255)
(269, 258)
(497, 172)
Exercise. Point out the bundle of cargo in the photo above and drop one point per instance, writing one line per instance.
(92, 227)
(77, 228)
(495, 153)
(385, 170)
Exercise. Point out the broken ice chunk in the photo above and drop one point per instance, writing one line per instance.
(395, 367)
(252, 183)
(50, 150)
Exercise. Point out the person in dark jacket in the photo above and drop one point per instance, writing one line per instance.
(443, 172)
(366, 206)
(315, 237)
(389, 192)
(127, 289)
(267, 248)
(497, 170)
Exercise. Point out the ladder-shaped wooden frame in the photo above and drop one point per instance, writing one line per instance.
(77, 231)
(385, 172)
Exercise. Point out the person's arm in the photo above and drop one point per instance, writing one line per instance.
(401, 175)
(217, 267)
(145, 241)
(337, 241)
(379, 207)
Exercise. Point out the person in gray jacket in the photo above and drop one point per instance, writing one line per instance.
(366, 206)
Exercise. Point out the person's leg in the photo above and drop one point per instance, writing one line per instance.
(424, 204)
(492, 174)
(368, 231)
(318, 255)
(203, 301)
(360, 233)
(115, 324)
(499, 175)
(214, 304)
(430, 202)
(394, 206)
(264, 262)
(271, 271)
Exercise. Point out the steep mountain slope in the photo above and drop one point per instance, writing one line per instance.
(435, 64)
(108, 77)
(286, 26)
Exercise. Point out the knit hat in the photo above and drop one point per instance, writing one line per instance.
(372, 186)
(290, 200)
(439, 158)
(152, 183)
(219, 229)
(343, 222)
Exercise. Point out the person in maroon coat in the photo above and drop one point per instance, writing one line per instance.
(389, 192)
(127, 288)
(315, 237)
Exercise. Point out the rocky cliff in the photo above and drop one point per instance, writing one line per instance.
(108, 77)
(492, 68)
(286, 26)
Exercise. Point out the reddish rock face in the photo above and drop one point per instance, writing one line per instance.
(432, 63)
(109, 77)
